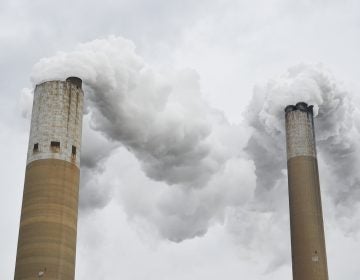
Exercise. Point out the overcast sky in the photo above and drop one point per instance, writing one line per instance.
(201, 193)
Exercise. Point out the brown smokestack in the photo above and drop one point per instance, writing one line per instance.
(306, 221)
(47, 235)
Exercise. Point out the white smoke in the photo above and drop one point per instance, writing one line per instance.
(336, 121)
(203, 168)
(95, 191)
(337, 118)
(163, 120)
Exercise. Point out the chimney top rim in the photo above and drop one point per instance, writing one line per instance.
(301, 106)
(71, 79)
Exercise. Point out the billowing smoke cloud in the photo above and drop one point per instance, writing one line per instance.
(161, 118)
(337, 128)
(337, 118)
(202, 168)
(95, 191)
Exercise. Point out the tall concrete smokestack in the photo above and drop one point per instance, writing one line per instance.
(47, 235)
(306, 221)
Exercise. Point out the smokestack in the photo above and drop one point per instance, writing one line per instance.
(306, 221)
(47, 235)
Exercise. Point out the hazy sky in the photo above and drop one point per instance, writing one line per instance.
(184, 170)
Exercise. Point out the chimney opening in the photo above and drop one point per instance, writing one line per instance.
(75, 81)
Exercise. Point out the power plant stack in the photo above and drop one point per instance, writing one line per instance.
(306, 221)
(47, 235)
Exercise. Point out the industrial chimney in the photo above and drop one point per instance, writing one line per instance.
(306, 221)
(47, 235)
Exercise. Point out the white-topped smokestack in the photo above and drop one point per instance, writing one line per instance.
(306, 221)
(47, 235)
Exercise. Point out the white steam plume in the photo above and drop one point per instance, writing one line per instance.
(162, 119)
(336, 120)
(338, 141)
(195, 157)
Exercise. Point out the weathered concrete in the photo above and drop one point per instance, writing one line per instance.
(306, 221)
(56, 117)
(300, 133)
(47, 235)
